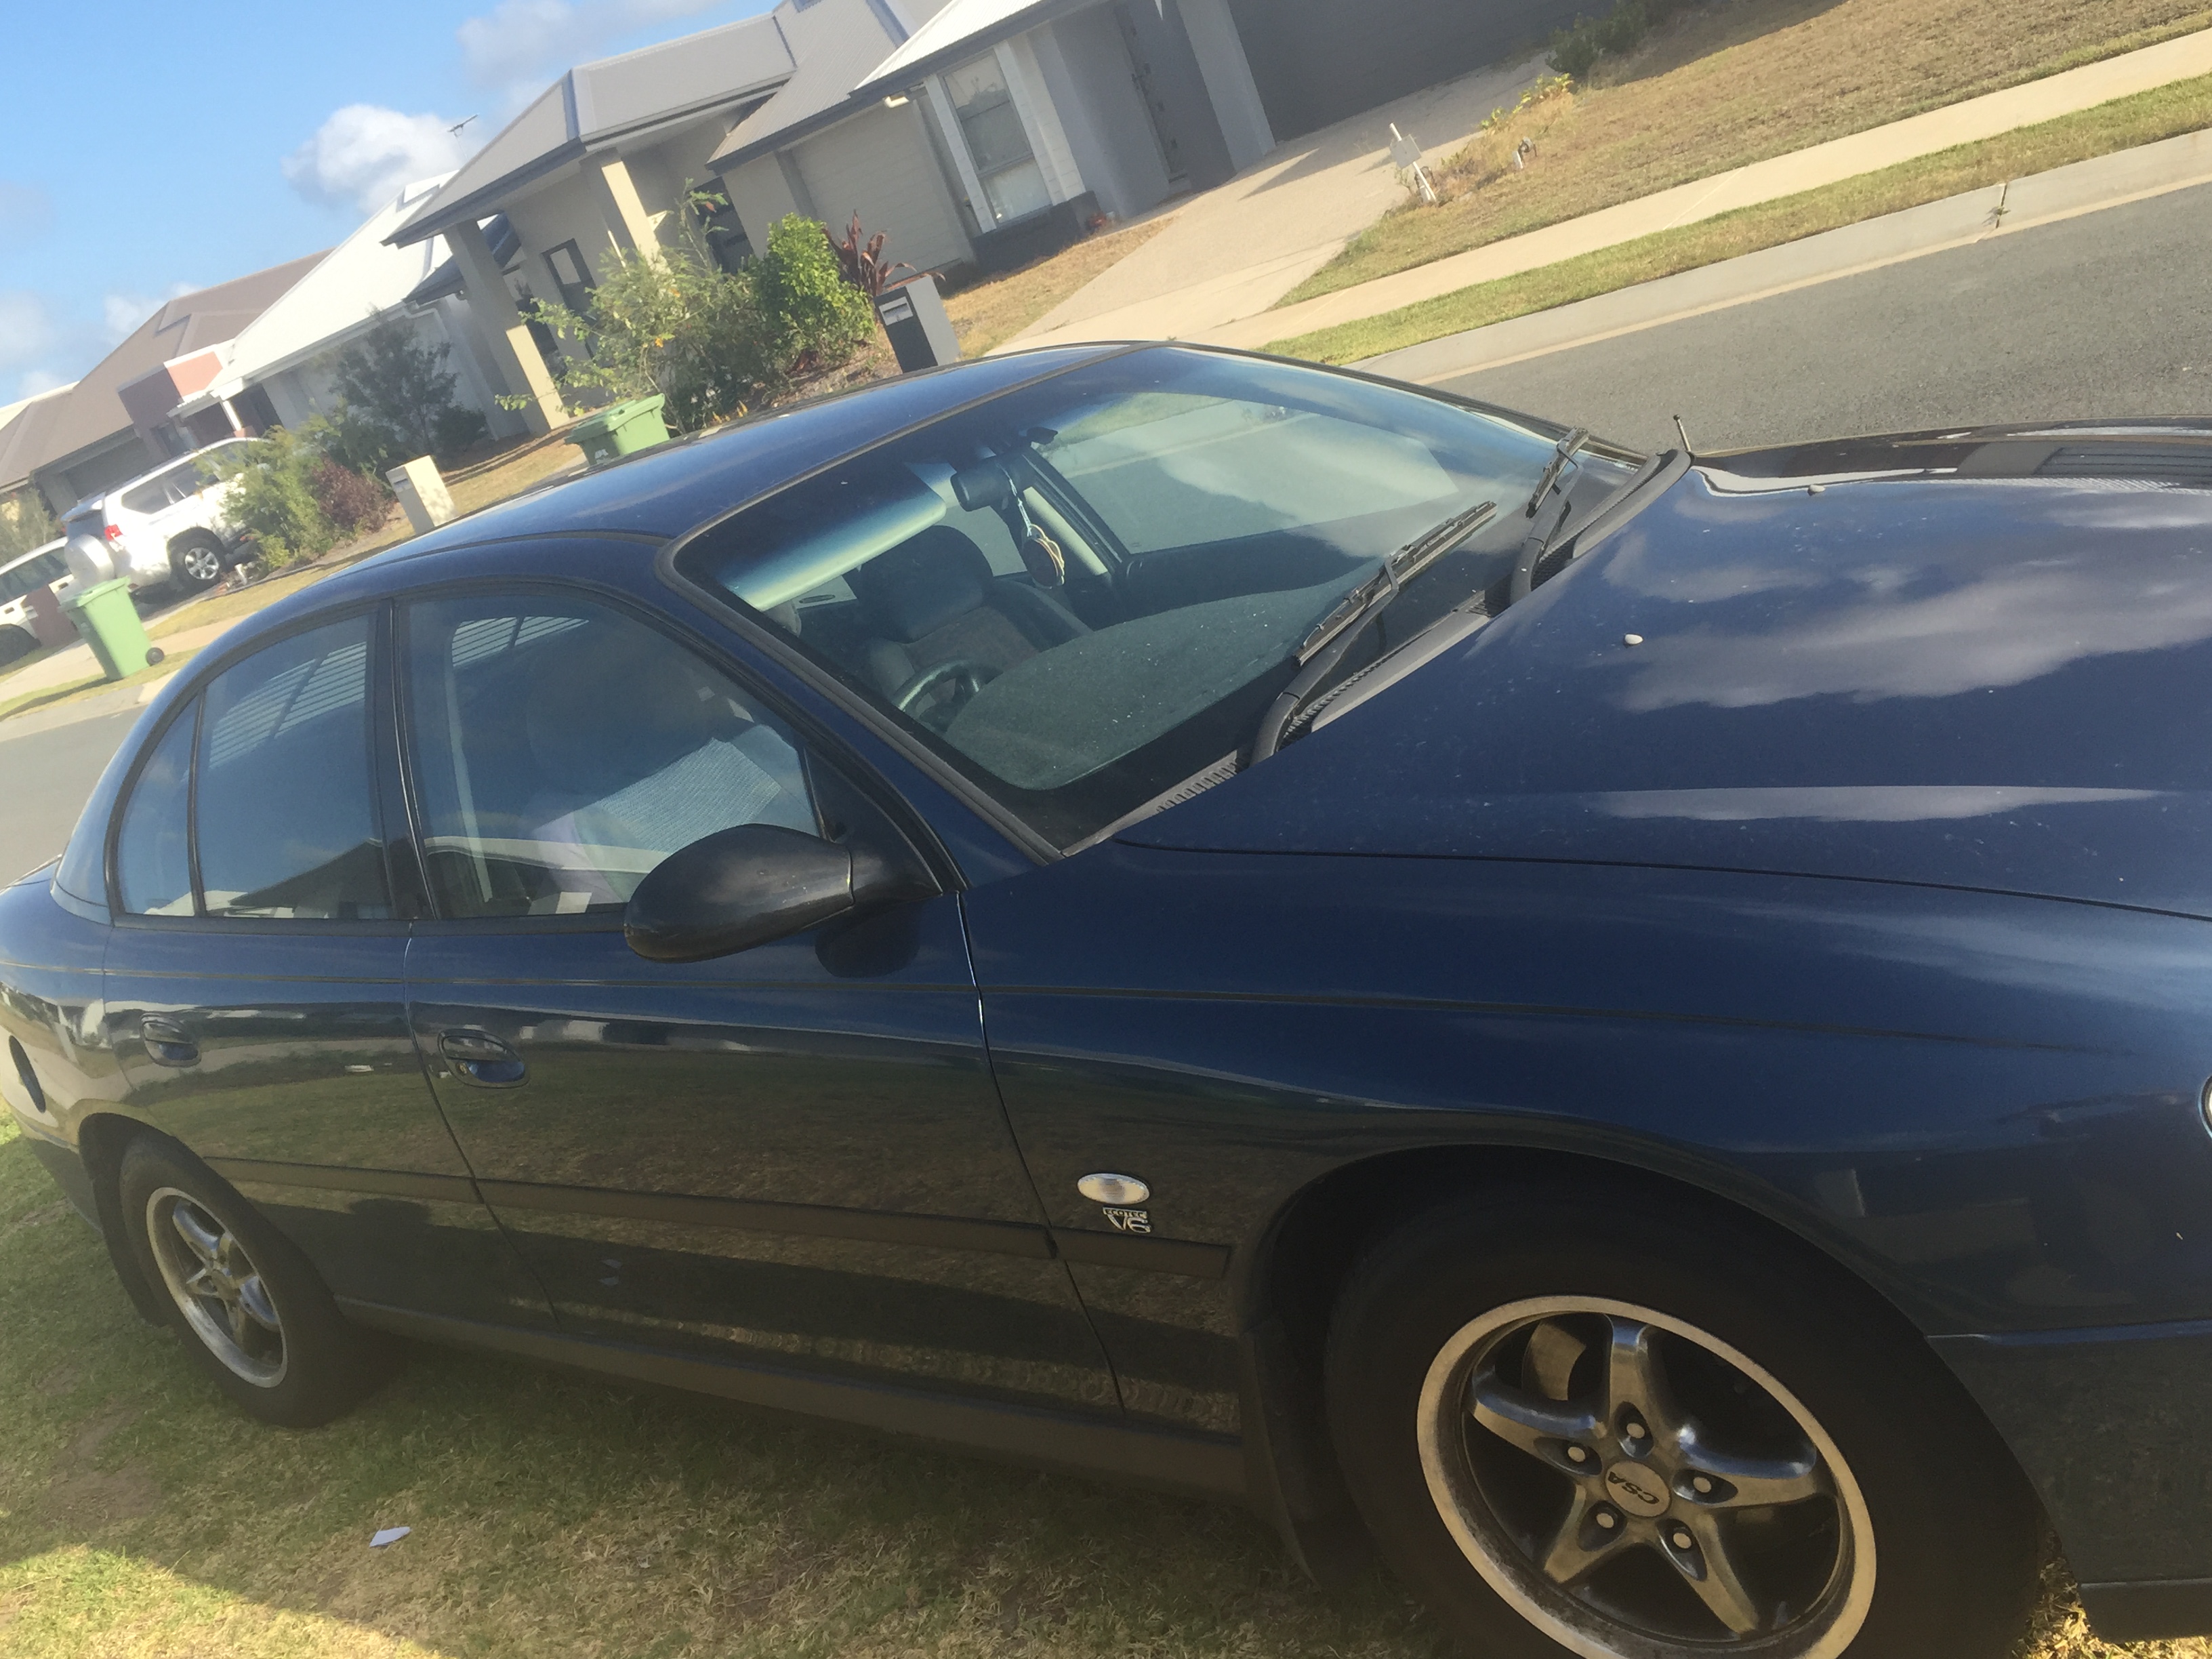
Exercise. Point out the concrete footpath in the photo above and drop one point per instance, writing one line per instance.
(1975, 119)
(2104, 181)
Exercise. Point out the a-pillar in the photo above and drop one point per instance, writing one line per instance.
(512, 354)
(629, 227)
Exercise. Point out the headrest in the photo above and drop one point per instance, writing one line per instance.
(923, 584)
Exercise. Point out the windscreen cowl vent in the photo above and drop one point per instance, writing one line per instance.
(2188, 467)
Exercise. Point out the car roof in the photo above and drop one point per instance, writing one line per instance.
(673, 488)
(54, 546)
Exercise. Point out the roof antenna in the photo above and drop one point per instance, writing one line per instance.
(1683, 433)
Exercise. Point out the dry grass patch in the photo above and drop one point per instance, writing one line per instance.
(993, 310)
(1737, 81)
(2147, 117)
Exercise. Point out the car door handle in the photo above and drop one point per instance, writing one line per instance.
(167, 1043)
(482, 1059)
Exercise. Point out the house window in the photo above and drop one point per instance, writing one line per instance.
(997, 145)
(567, 264)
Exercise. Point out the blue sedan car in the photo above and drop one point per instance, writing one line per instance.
(1627, 1031)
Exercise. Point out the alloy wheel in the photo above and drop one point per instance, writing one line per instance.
(1637, 1489)
(216, 1286)
(202, 563)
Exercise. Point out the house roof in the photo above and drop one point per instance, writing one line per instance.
(53, 428)
(843, 40)
(594, 105)
(963, 29)
(359, 280)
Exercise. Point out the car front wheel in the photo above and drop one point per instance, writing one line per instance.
(1604, 1422)
(253, 1314)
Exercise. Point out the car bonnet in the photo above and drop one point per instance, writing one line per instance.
(1992, 678)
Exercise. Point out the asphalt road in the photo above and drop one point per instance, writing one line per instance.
(44, 776)
(2107, 314)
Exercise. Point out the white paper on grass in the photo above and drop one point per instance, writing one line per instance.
(389, 1535)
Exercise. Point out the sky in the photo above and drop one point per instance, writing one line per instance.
(151, 149)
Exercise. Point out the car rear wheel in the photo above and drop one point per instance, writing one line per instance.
(16, 644)
(196, 564)
(1604, 1423)
(253, 1312)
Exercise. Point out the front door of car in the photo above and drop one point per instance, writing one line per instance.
(255, 981)
(791, 1155)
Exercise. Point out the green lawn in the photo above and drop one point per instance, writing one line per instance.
(2146, 118)
(141, 1515)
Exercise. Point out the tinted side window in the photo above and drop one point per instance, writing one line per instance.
(563, 751)
(153, 861)
(286, 823)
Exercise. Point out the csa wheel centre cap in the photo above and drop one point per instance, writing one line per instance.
(1636, 1487)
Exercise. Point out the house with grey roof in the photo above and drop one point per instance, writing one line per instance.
(117, 421)
(974, 133)
(597, 165)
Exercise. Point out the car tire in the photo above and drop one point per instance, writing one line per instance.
(1488, 1372)
(16, 644)
(251, 1312)
(197, 565)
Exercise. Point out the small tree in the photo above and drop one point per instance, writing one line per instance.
(274, 498)
(672, 322)
(391, 378)
(861, 264)
(24, 524)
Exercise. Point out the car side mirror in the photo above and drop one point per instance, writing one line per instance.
(758, 881)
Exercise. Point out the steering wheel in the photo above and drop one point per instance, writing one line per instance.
(965, 671)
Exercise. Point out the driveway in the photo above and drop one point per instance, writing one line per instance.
(1238, 248)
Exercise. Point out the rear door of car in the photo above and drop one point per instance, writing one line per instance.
(255, 980)
(794, 1155)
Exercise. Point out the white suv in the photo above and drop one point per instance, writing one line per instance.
(42, 567)
(163, 526)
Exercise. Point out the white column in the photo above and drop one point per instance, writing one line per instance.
(511, 352)
(1220, 53)
(1063, 180)
(629, 227)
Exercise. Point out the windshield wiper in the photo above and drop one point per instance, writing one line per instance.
(1398, 568)
(1325, 646)
(1562, 453)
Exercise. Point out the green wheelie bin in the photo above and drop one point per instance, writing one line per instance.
(109, 623)
(621, 429)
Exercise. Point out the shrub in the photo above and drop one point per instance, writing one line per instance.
(389, 379)
(712, 341)
(356, 440)
(1576, 48)
(819, 319)
(350, 502)
(672, 322)
(274, 499)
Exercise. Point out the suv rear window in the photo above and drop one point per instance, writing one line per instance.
(39, 570)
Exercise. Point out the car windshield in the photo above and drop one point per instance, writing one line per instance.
(1087, 590)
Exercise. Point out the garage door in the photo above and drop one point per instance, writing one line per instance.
(1319, 61)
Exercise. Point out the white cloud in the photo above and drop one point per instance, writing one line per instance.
(527, 40)
(122, 313)
(364, 153)
(26, 330)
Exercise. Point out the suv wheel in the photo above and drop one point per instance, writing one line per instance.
(1606, 1422)
(253, 1313)
(196, 564)
(16, 644)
